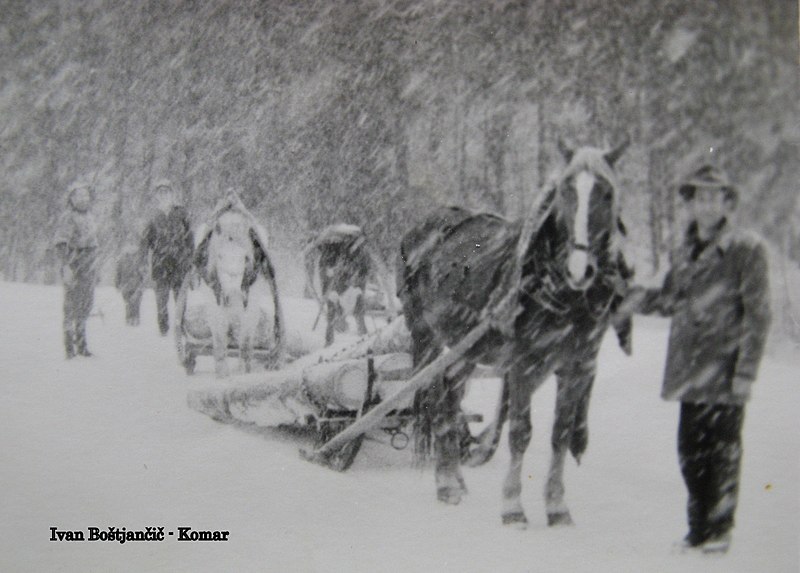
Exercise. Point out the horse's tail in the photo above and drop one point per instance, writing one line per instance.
(489, 438)
(423, 426)
(423, 349)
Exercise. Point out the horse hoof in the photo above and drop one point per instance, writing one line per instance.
(516, 519)
(463, 485)
(449, 495)
(559, 519)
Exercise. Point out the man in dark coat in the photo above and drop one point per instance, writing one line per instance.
(718, 297)
(76, 245)
(168, 240)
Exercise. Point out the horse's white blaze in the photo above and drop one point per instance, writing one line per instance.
(578, 259)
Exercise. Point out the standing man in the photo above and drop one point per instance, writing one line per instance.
(168, 240)
(718, 297)
(76, 246)
(129, 280)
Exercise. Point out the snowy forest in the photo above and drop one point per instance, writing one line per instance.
(370, 112)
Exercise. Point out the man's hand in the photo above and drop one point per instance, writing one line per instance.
(194, 279)
(67, 276)
(631, 303)
(741, 387)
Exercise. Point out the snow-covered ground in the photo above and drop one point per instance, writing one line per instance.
(110, 441)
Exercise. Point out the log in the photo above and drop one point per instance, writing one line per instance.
(279, 397)
(343, 385)
(289, 397)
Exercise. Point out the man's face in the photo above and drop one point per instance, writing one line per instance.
(708, 207)
(81, 199)
(165, 197)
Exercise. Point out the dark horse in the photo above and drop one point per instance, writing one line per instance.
(567, 274)
(344, 263)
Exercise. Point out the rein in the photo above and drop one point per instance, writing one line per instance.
(548, 293)
(503, 305)
(551, 289)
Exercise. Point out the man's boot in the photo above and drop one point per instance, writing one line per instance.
(69, 346)
(80, 342)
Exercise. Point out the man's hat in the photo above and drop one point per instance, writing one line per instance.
(707, 177)
(163, 184)
(76, 186)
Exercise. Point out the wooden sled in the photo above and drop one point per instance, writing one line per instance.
(338, 451)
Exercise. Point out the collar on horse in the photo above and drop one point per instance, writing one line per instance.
(553, 293)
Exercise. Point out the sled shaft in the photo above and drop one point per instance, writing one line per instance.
(421, 379)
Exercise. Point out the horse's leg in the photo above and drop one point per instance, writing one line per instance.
(447, 396)
(574, 385)
(424, 350)
(360, 311)
(330, 321)
(219, 340)
(246, 330)
(520, 388)
(489, 438)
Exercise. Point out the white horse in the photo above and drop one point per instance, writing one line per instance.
(232, 259)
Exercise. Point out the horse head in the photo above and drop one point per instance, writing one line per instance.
(231, 256)
(587, 203)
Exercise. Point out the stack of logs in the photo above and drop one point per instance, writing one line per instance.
(329, 379)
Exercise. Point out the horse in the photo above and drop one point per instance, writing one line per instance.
(232, 258)
(560, 272)
(343, 263)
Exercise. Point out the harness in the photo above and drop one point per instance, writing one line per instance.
(553, 294)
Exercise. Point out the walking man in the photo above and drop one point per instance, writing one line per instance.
(76, 246)
(168, 240)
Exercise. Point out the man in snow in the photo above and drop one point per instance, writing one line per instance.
(717, 295)
(168, 239)
(129, 280)
(76, 246)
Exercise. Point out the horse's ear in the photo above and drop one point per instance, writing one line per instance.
(613, 155)
(565, 151)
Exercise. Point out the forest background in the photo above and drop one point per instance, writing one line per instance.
(373, 111)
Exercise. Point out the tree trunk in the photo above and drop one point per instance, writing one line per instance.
(541, 156)
(654, 195)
